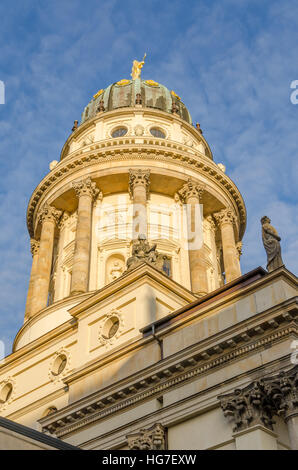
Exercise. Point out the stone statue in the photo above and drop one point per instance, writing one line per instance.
(115, 271)
(137, 68)
(142, 252)
(271, 243)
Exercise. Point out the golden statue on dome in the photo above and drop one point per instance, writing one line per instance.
(137, 68)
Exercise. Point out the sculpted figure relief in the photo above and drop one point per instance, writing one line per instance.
(115, 271)
(142, 252)
(271, 243)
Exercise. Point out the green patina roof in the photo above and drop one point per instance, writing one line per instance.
(121, 96)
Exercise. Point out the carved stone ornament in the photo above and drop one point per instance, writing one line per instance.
(142, 252)
(34, 245)
(271, 242)
(191, 189)
(7, 392)
(50, 213)
(283, 392)
(136, 178)
(86, 187)
(111, 327)
(225, 216)
(248, 407)
(261, 400)
(153, 438)
(59, 365)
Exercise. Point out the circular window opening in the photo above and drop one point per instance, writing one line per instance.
(5, 393)
(157, 133)
(50, 411)
(59, 364)
(120, 132)
(110, 328)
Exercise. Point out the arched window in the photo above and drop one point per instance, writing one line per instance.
(119, 132)
(156, 132)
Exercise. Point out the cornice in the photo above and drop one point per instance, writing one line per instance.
(120, 112)
(174, 371)
(155, 151)
(141, 273)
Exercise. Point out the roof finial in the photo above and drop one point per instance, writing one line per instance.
(137, 68)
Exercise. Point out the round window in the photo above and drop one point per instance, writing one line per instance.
(50, 411)
(5, 393)
(119, 132)
(59, 364)
(110, 328)
(157, 133)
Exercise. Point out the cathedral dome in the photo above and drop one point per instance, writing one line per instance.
(128, 93)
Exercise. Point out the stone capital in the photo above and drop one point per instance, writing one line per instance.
(191, 189)
(248, 407)
(225, 216)
(153, 438)
(283, 392)
(34, 245)
(138, 177)
(86, 187)
(49, 213)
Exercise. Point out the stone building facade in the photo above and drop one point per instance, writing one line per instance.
(140, 330)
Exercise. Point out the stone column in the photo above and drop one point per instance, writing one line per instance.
(139, 192)
(49, 218)
(226, 219)
(86, 192)
(191, 194)
(212, 229)
(34, 251)
(59, 279)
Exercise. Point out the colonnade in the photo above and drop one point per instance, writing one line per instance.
(190, 193)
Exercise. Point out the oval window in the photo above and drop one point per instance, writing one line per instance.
(110, 327)
(119, 132)
(59, 364)
(5, 393)
(157, 133)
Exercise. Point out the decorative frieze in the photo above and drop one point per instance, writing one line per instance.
(153, 438)
(170, 152)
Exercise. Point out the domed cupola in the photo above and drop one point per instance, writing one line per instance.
(128, 93)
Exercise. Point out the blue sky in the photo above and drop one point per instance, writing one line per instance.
(231, 61)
